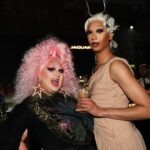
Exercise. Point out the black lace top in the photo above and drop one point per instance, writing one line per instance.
(52, 123)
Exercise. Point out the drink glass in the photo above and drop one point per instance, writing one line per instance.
(83, 93)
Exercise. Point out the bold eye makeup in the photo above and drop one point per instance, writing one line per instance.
(99, 30)
(61, 70)
(54, 69)
(88, 32)
(51, 69)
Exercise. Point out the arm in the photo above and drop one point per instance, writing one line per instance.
(23, 144)
(13, 128)
(121, 74)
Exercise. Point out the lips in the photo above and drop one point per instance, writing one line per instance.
(55, 82)
(94, 44)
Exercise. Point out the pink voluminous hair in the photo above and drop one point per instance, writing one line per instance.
(27, 78)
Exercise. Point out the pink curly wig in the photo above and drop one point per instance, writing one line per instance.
(27, 78)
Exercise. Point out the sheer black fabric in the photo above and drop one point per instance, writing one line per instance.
(52, 123)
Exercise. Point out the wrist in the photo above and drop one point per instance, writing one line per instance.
(102, 112)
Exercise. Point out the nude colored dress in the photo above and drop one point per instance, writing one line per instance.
(111, 134)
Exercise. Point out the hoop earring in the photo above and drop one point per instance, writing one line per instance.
(38, 90)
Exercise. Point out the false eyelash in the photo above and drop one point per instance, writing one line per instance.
(61, 70)
(51, 69)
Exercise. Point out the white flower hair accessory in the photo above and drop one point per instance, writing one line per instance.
(113, 44)
(110, 24)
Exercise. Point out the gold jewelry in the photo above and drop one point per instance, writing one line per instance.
(38, 90)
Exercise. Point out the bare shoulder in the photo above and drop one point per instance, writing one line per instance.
(117, 65)
(119, 69)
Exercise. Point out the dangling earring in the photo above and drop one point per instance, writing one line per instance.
(38, 90)
(95, 60)
(113, 44)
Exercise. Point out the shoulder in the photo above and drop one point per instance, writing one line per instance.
(119, 65)
(119, 60)
(120, 68)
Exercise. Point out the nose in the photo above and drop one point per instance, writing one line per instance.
(94, 36)
(57, 73)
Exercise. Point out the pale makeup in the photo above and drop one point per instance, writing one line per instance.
(51, 76)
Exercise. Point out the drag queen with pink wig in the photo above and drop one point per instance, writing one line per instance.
(45, 97)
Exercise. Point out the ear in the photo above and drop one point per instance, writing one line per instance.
(111, 35)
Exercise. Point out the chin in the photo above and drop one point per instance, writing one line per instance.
(56, 90)
(96, 50)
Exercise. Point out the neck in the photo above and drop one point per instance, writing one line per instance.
(103, 57)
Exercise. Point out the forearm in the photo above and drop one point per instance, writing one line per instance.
(138, 112)
(130, 113)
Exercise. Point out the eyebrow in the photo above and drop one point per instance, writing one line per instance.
(96, 28)
(100, 27)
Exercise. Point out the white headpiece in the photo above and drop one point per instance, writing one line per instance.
(108, 22)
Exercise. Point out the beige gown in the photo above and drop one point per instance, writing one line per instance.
(111, 134)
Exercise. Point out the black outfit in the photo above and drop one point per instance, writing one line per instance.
(52, 123)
